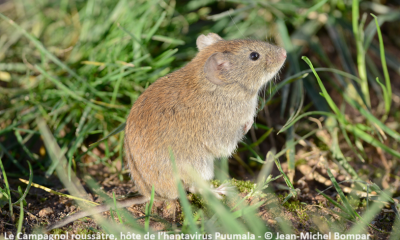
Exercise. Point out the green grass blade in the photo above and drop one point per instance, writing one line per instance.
(283, 151)
(339, 41)
(290, 153)
(116, 210)
(369, 139)
(167, 39)
(10, 204)
(349, 209)
(362, 71)
(396, 230)
(155, 27)
(371, 118)
(284, 82)
(337, 154)
(287, 180)
(259, 140)
(127, 216)
(83, 119)
(304, 74)
(186, 207)
(265, 171)
(120, 128)
(346, 137)
(27, 187)
(13, 160)
(367, 217)
(314, 8)
(289, 124)
(20, 141)
(331, 103)
(21, 217)
(250, 209)
(333, 201)
(388, 99)
(149, 206)
(65, 89)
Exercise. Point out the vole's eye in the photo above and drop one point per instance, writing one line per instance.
(254, 56)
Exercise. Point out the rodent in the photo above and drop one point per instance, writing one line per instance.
(200, 112)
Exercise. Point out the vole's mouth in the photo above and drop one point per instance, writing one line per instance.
(268, 77)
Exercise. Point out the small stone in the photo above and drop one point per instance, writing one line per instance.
(45, 212)
(271, 222)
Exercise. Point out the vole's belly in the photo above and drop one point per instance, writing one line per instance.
(234, 128)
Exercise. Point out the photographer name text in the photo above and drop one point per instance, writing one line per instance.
(186, 236)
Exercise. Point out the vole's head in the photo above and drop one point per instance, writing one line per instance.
(243, 65)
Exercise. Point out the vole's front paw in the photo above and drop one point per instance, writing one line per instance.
(223, 189)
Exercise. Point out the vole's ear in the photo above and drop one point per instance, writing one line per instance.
(204, 41)
(213, 67)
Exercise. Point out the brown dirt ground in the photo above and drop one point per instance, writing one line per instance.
(310, 212)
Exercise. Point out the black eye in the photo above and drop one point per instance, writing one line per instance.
(254, 56)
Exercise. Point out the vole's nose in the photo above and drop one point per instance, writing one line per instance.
(283, 53)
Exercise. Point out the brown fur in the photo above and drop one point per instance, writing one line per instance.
(196, 118)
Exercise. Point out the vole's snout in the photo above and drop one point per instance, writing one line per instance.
(282, 54)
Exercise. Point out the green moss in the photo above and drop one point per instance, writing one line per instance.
(86, 231)
(301, 162)
(196, 200)
(282, 197)
(199, 203)
(242, 186)
(356, 202)
(297, 207)
(321, 145)
(215, 182)
(58, 231)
